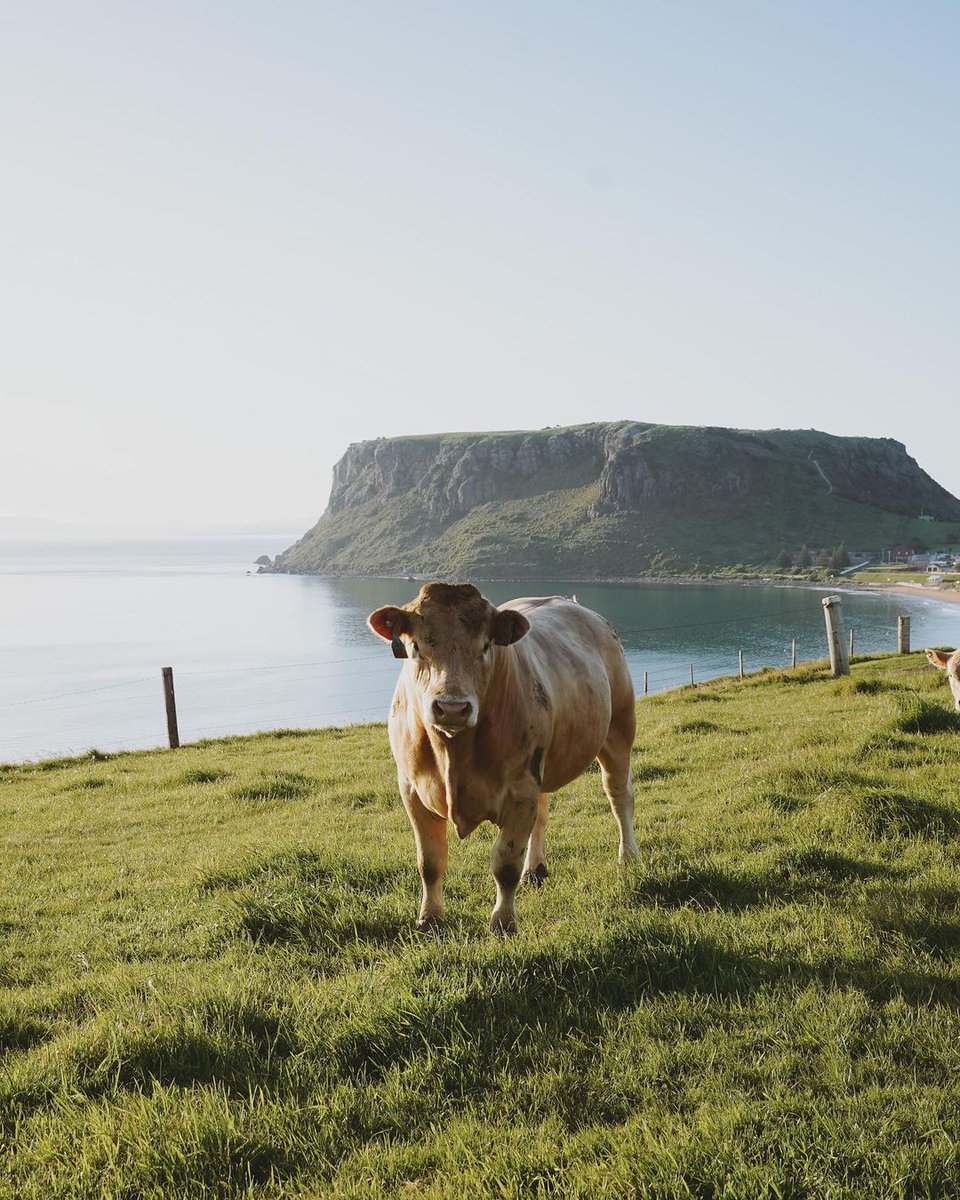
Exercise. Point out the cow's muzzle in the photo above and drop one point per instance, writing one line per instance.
(451, 714)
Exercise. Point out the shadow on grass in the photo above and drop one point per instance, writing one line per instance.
(314, 922)
(919, 716)
(22, 1033)
(919, 913)
(651, 772)
(280, 785)
(893, 814)
(61, 764)
(796, 875)
(696, 727)
(90, 784)
(308, 868)
(882, 745)
(520, 1006)
(505, 1010)
(199, 775)
(316, 900)
(236, 1043)
(872, 687)
(793, 789)
(803, 675)
(783, 803)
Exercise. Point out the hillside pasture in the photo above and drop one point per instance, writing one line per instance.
(210, 985)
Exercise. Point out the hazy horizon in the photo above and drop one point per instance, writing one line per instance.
(236, 240)
(42, 527)
(92, 529)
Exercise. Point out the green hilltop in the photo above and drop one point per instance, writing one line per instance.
(615, 500)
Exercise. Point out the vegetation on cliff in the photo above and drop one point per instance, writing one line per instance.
(614, 500)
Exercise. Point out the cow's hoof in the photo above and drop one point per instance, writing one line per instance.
(535, 877)
(503, 926)
(430, 925)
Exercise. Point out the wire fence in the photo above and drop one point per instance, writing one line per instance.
(211, 702)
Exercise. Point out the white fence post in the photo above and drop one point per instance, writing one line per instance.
(833, 615)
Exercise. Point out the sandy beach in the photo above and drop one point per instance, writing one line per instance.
(951, 595)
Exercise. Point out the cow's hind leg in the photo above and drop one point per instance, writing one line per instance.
(617, 779)
(535, 866)
(430, 834)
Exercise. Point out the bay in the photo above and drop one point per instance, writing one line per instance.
(87, 623)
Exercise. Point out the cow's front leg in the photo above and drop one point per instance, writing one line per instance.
(535, 866)
(430, 834)
(510, 844)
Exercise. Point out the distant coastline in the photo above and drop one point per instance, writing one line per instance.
(949, 594)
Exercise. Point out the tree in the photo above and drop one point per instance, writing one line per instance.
(840, 559)
(784, 560)
(802, 561)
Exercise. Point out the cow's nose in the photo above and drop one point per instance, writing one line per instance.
(452, 712)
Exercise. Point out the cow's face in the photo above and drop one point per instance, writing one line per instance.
(449, 634)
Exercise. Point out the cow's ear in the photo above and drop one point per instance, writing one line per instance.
(938, 658)
(388, 622)
(509, 626)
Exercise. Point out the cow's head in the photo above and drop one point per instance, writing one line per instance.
(450, 634)
(949, 662)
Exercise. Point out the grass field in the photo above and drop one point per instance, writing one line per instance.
(210, 984)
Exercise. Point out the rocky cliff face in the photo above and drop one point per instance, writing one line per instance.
(643, 466)
(451, 475)
(636, 466)
(391, 498)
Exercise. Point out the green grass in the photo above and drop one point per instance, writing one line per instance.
(210, 985)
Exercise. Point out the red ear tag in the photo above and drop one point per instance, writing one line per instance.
(399, 649)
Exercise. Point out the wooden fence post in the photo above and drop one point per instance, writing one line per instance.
(794, 653)
(740, 653)
(903, 635)
(646, 682)
(833, 615)
(692, 684)
(173, 733)
(851, 643)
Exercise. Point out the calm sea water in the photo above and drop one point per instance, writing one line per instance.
(86, 625)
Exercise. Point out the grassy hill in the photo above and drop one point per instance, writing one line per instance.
(210, 987)
(614, 500)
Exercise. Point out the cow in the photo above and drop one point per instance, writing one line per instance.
(949, 662)
(496, 708)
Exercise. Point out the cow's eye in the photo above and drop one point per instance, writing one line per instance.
(486, 647)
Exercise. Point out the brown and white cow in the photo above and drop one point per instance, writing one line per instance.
(949, 662)
(496, 708)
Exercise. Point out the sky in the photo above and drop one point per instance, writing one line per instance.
(235, 238)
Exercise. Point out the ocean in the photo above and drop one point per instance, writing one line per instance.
(86, 624)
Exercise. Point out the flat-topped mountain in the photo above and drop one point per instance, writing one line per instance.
(613, 500)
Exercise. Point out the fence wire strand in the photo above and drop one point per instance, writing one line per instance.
(198, 706)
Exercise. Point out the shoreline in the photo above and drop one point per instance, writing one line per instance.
(950, 595)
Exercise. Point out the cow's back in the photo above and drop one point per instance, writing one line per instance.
(573, 664)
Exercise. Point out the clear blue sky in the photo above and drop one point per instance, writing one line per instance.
(236, 237)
